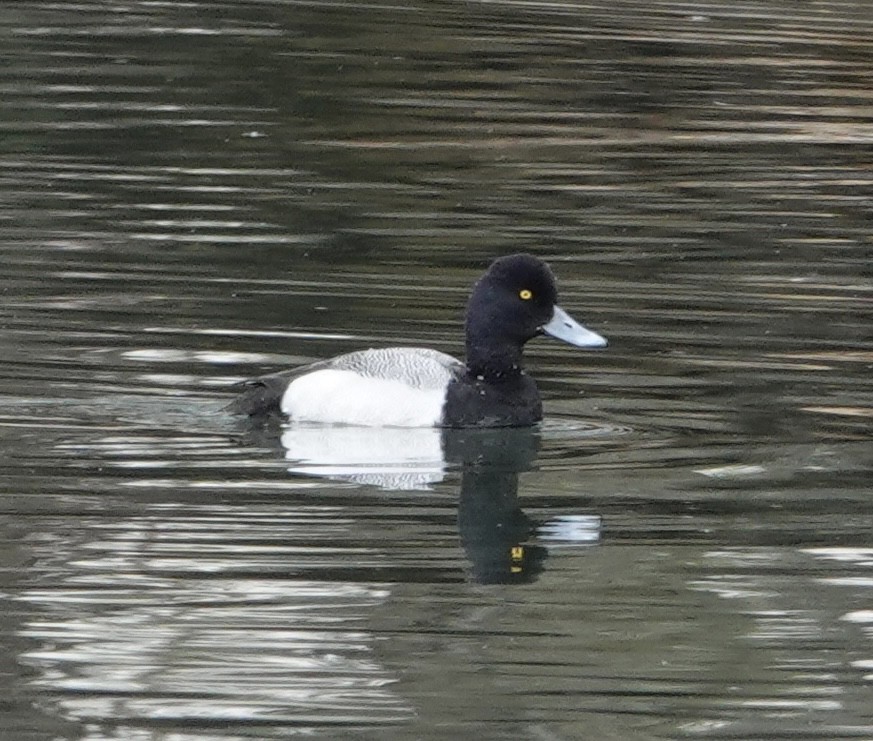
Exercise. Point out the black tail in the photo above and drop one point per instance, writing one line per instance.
(260, 397)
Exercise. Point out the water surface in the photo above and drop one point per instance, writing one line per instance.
(199, 192)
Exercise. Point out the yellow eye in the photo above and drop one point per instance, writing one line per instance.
(525, 295)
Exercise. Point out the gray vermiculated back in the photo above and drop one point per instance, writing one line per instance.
(419, 367)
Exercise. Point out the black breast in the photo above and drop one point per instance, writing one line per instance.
(470, 402)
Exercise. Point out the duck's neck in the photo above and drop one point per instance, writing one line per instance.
(494, 364)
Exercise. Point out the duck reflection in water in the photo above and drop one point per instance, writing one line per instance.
(502, 544)
(495, 533)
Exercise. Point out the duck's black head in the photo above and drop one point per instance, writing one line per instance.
(514, 301)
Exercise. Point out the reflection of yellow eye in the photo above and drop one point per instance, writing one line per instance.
(525, 295)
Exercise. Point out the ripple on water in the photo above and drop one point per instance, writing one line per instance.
(570, 428)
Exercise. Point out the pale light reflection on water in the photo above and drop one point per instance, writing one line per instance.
(194, 193)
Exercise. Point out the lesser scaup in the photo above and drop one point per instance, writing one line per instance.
(513, 302)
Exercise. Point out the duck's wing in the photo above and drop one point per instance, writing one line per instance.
(417, 367)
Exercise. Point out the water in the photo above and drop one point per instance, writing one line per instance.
(193, 193)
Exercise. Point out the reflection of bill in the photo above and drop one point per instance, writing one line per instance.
(570, 530)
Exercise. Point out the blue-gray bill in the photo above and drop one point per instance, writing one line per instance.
(564, 327)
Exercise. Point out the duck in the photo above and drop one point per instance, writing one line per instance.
(514, 301)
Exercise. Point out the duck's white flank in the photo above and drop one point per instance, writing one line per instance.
(392, 387)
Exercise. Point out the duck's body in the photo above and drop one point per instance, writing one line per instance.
(418, 387)
(400, 386)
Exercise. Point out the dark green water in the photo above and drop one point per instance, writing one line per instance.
(192, 193)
